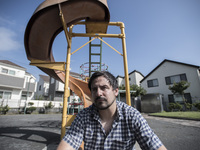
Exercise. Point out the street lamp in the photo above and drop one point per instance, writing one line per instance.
(27, 95)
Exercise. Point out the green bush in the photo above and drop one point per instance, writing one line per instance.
(4, 109)
(49, 106)
(29, 110)
(30, 103)
(40, 97)
(171, 106)
(175, 106)
(188, 106)
(197, 105)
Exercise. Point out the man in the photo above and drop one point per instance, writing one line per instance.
(109, 124)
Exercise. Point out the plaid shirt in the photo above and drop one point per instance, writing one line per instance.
(128, 127)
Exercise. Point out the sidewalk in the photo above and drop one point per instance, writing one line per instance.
(184, 122)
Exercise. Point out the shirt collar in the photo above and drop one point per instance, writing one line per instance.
(119, 110)
(95, 112)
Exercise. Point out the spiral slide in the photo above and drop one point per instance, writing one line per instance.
(45, 24)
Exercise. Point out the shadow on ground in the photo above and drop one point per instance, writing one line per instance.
(34, 136)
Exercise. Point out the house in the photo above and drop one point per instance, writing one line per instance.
(134, 78)
(168, 72)
(43, 87)
(15, 82)
(56, 88)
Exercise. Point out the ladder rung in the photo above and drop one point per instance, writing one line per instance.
(95, 62)
(94, 70)
(96, 45)
(95, 54)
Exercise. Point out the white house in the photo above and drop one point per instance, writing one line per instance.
(134, 78)
(15, 82)
(168, 72)
(120, 80)
(43, 87)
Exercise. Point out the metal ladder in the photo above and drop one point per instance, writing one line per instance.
(95, 57)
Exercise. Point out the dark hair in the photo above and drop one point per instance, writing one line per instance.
(112, 80)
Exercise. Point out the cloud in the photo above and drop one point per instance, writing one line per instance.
(4, 21)
(7, 40)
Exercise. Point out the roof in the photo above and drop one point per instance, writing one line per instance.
(137, 72)
(131, 73)
(11, 63)
(119, 76)
(166, 60)
(44, 78)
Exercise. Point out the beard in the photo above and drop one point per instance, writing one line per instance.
(102, 103)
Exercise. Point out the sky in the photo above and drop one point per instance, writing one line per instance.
(155, 30)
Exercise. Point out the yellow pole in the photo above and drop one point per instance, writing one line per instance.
(67, 69)
(128, 98)
(96, 35)
(66, 92)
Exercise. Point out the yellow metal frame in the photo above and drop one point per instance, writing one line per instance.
(66, 66)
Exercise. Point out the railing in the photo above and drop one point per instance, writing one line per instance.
(17, 103)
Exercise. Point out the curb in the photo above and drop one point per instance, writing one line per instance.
(174, 117)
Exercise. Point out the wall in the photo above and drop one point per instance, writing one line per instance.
(16, 103)
(120, 81)
(59, 86)
(135, 78)
(151, 103)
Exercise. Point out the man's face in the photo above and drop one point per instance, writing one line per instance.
(103, 95)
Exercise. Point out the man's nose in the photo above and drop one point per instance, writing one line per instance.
(99, 92)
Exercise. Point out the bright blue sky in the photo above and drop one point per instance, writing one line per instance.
(155, 30)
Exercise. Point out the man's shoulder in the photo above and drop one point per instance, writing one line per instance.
(124, 106)
(125, 109)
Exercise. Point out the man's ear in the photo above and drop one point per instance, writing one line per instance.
(116, 91)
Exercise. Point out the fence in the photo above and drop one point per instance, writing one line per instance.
(14, 103)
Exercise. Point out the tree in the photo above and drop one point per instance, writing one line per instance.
(179, 88)
(138, 90)
(49, 106)
(122, 87)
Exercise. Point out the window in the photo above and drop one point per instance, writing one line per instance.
(40, 88)
(5, 95)
(4, 70)
(25, 94)
(175, 79)
(178, 98)
(152, 83)
(188, 98)
(12, 72)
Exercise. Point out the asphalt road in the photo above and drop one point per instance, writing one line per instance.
(42, 132)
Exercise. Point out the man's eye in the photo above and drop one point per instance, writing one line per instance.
(94, 89)
(103, 87)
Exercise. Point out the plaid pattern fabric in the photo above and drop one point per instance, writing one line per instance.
(128, 127)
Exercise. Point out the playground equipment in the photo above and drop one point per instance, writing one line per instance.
(53, 16)
(85, 69)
